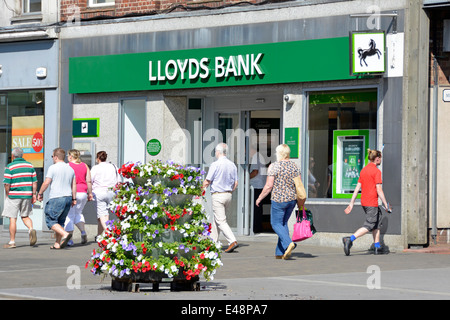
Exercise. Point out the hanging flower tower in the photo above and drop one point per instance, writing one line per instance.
(161, 230)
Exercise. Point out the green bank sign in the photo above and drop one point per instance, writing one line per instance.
(282, 62)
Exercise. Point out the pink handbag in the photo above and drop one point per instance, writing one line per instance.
(302, 228)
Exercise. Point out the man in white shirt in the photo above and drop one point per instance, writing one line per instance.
(222, 179)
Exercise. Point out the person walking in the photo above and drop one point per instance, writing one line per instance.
(60, 178)
(370, 184)
(284, 198)
(20, 184)
(104, 177)
(75, 216)
(222, 180)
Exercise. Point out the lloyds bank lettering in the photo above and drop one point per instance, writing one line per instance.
(219, 67)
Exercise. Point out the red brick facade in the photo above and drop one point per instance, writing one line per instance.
(137, 7)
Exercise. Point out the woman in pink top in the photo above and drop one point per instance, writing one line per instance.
(84, 194)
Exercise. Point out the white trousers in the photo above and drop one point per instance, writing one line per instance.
(220, 203)
(75, 214)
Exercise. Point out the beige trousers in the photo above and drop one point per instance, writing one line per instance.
(220, 203)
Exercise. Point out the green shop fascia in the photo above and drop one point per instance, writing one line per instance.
(258, 64)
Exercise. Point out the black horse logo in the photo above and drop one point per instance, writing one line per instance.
(363, 54)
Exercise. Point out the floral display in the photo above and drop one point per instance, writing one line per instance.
(160, 229)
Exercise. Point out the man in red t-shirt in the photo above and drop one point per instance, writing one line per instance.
(370, 185)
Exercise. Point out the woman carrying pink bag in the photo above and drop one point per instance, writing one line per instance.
(284, 198)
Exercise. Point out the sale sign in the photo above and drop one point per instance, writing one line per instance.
(28, 134)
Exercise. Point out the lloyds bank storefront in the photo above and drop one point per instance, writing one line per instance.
(161, 89)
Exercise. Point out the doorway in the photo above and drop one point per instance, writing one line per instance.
(252, 133)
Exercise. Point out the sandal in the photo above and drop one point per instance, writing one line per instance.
(65, 240)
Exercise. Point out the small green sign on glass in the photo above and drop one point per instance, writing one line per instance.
(153, 147)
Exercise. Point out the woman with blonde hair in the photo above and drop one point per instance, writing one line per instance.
(84, 194)
(280, 182)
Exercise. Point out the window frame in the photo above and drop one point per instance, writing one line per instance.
(305, 130)
(92, 4)
(26, 8)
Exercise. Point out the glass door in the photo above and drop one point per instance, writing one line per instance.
(229, 125)
(252, 137)
(248, 128)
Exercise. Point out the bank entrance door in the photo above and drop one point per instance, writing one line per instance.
(252, 136)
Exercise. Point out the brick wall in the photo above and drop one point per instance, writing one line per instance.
(437, 48)
(138, 7)
(442, 237)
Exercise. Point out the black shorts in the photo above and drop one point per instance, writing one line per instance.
(373, 218)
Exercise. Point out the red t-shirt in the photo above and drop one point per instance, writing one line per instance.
(369, 177)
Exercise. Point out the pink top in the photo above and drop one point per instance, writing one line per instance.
(80, 175)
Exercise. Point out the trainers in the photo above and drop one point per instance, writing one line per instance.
(380, 250)
(83, 238)
(347, 245)
(9, 246)
(33, 237)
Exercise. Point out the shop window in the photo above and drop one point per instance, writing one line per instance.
(341, 126)
(32, 6)
(22, 125)
(133, 130)
(94, 3)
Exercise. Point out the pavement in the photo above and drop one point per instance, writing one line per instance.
(250, 273)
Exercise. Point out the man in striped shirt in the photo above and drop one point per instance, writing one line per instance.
(20, 188)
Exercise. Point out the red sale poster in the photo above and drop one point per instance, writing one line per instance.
(28, 133)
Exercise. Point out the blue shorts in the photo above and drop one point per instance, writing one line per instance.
(56, 210)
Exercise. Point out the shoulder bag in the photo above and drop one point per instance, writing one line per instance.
(300, 191)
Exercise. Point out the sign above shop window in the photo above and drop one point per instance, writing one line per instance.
(367, 53)
(85, 128)
(260, 64)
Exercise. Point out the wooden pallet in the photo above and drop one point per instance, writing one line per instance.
(131, 285)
